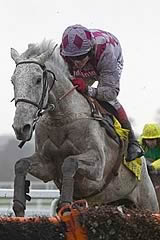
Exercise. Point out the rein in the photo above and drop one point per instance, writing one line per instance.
(67, 93)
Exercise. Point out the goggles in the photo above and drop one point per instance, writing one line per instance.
(78, 58)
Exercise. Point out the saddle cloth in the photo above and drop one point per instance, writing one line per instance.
(110, 122)
(135, 166)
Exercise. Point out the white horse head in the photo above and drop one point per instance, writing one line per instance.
(34, 84)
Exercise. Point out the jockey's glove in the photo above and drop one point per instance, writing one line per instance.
(83, 88)
(81, 85)
(92, 92)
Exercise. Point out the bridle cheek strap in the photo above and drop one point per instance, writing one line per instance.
(45, 86)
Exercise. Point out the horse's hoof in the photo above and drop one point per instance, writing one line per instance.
(18, 209)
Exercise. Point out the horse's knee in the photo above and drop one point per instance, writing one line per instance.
(22, 166)
(69, 167)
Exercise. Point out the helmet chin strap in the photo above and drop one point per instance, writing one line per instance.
(81, 63)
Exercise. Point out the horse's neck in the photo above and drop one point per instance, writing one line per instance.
(67, 101)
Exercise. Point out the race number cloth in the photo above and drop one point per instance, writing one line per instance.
(134, 166)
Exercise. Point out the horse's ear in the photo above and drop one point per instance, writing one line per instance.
(44, 56)
(15, 55)
(31, 45)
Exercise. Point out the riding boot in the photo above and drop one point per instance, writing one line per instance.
(134, 149)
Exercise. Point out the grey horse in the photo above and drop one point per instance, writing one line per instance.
(71, 147)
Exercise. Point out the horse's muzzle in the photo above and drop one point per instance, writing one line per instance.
(23, 132)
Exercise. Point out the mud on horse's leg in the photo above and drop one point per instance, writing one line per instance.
(19, 199)
(69, 169)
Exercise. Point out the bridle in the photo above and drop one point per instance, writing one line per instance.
(44, 91)
(39, 106)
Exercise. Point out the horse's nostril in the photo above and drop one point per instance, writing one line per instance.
(26, 128)
(23, 132)
(17, 130)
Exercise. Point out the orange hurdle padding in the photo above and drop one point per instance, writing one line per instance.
(54, 220)
(74, 229)
(68, 214)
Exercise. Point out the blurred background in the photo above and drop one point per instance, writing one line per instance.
(134, 23)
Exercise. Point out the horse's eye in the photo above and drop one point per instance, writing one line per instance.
(38, 80)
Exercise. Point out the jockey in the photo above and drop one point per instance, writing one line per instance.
(150, 141)
(95, 55)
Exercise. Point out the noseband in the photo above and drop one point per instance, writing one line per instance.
(45, 87)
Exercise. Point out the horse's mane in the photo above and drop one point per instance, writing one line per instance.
(36, 49)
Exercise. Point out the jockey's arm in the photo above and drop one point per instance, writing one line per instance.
(108, 79)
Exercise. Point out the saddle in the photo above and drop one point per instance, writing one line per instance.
(106, 119)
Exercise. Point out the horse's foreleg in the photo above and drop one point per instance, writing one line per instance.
(19, 200)
(87, 164)
(69, 169)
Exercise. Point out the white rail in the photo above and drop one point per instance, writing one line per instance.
(34, 193)
(37, 195)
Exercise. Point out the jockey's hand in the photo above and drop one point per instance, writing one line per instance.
(82, 87)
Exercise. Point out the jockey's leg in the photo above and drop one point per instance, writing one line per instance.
(115, 108)
(134, 149)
